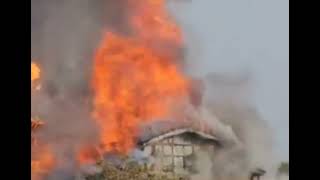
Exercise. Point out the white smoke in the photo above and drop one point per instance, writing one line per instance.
(228, 110)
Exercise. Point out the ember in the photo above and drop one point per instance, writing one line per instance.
(35, 72)
(35, 76)
(35, 124)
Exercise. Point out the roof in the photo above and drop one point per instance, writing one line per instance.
(177, 132)
(159, 130)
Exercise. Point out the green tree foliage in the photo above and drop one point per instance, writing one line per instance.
(284, 168)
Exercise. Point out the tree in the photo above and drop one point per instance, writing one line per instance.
(283, 168)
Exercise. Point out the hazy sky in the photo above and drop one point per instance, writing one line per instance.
(228, 35)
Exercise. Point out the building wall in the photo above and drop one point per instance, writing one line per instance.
(175, 155)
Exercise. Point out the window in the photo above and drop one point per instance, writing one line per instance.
(175, 155)
(178, 150)
(167, 150)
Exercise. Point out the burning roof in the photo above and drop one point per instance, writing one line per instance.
(177, 132)
(158, 130)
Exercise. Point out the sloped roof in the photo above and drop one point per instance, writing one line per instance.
(159, 130)
(178, 132)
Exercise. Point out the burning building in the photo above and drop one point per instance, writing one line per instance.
(176, 147)
(136, 80)
(174, 150)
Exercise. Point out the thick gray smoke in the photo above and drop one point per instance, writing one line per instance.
(64, 35)
(227, 97)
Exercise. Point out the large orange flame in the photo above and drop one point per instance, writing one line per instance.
(133, 82)
(151, 22)
(88, 155)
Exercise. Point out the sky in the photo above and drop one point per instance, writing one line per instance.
(232, 35)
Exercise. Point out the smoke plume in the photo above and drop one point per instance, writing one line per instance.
(226, 99)
(64, 35)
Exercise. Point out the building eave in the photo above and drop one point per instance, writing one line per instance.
(178, 132)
